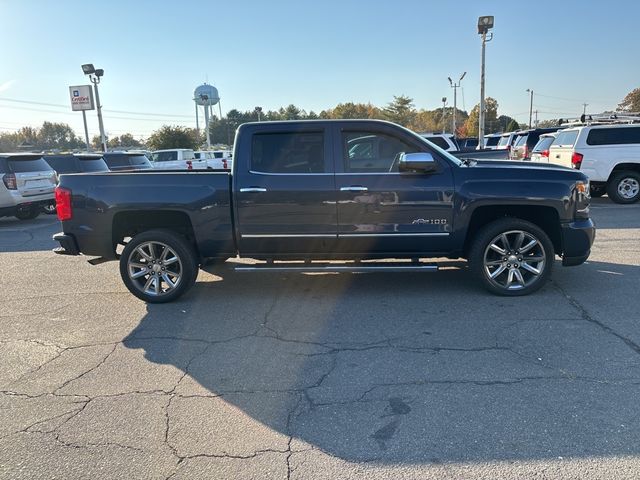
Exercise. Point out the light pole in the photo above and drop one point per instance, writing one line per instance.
(455, 87)
(484, 25)
(444, 105)
(94, 76)
(530, 105)
(258, 111)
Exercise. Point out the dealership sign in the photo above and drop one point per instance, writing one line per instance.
(81, 98)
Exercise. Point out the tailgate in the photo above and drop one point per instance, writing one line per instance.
(33, 175)
(561, 156)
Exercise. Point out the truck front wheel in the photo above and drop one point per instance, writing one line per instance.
(158, 266)
(511, 257)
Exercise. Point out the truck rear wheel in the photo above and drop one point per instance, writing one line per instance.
(511, 257)
(624, 187)
(158, 266)
(27, 213)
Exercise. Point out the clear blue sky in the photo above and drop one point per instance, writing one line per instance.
(313, 54)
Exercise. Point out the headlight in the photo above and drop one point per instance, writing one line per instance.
(583, 199)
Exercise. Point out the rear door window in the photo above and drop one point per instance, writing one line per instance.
(520, 140)
(492, 141)
(18, 165)
(504, 140)
(288, 152)
(566, 139)
(138, 160)
(543, 144)
(93, 165)
(613, 136)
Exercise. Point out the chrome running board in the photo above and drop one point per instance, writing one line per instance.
(356, 267)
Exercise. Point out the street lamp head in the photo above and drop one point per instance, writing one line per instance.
(485, 24)
(88, 69)
(99, 72)
(450, 82)
(444, 99)
(462, 76)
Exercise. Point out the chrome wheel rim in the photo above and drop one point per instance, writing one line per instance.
(155, 268)
(628, 187)
(514, 260)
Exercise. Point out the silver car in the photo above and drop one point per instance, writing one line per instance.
(28, 184)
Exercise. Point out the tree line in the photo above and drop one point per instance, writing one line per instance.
(401, 110)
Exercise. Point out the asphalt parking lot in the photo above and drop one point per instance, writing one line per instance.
(319, 376)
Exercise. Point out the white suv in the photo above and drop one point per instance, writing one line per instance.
(608, 154)
(27, 185)
(445, 141)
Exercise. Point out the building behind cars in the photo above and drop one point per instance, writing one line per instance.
(609, 154)
(28, 184)
(525, 140)
(126, 161)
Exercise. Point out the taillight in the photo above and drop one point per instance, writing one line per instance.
(545, 153)
(224, 163)
(576, 160)
(9, 180)
(189, 165)
(63, 203)
(525, 153)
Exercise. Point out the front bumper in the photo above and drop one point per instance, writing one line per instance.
(577, 239)
(68, 245)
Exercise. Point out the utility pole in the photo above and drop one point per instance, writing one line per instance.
(536, 124)
(584, 108)
(530, 105)
(444, 104)
(455, 87)
(484, 25)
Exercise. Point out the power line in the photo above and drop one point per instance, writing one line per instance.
(57, 105)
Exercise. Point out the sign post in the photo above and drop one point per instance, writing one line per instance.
(82, 100)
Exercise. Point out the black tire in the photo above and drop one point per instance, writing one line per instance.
(485, 262)
(624, 187)
(597, 191)
(27, 213)
(153, 269)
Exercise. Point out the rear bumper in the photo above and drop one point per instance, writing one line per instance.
(68, 245)
(577, 239)
(12, 210)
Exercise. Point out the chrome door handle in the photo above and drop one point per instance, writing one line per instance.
(354, 188)
(252, 189)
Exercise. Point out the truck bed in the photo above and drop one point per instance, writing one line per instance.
(109, 205)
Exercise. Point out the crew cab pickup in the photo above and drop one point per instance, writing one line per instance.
(330, 195)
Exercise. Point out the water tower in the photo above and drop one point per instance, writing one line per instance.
(206, 96)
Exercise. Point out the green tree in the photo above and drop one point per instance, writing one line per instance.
(630, 103)
(124, 141)
(57, 136)
(491, 124)
(354, 111)
(401, 110)
(169, 136)
(506, 123)
(512, 126)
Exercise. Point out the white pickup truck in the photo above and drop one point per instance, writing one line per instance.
(177, 159)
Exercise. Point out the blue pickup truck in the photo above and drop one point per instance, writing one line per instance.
(330, 195)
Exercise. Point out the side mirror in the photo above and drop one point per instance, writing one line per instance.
(417, 162)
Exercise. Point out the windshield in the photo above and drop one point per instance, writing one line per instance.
(504, 140)
(543, 144)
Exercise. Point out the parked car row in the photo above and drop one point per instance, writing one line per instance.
(29, 179)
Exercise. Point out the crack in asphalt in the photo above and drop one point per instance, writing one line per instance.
(587, 317)
(86, 372)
